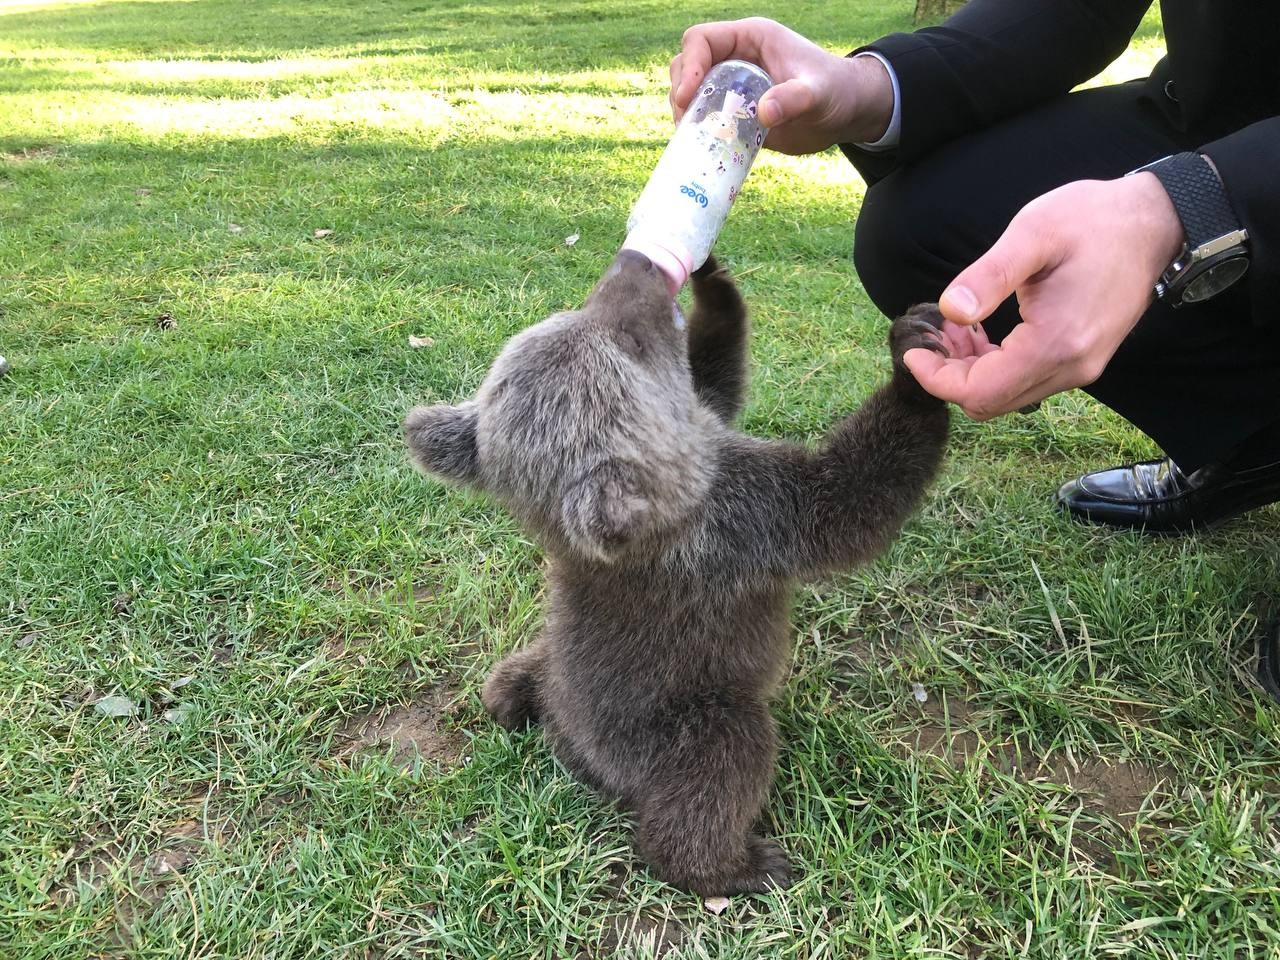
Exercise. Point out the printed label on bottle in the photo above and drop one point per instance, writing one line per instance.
(700, 173)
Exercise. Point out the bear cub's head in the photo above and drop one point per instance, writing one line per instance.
(587, 427)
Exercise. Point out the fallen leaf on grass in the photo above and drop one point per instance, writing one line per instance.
(177, 715)
(116, 706)
(180, 683)
(234, 228)
(25, 640)
(322, 233)
(417, 342)
(919, 692)
(571, 239)
(716, 905)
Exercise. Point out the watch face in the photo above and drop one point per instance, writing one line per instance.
(1215, 279)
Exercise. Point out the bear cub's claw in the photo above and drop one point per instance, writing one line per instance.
(767, 869)
(919, 327)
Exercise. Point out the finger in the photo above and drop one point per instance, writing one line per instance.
(965, 341)
(991, 384)
(1025, 402)
(674, 72)
(694, 59)
(788, 100)
(958, 345)
(1021, 252)
(938, 375)
(976, 338)
(707, 44)
(1000, 378)
(981, 345)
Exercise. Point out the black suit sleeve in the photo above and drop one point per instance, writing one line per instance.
(1247, 163)
(992, 59)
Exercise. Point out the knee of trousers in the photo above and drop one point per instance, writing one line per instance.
(899, 240)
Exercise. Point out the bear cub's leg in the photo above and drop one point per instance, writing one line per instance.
(511, 693)
(697, 809)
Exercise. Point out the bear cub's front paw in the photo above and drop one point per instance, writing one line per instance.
(919, 327)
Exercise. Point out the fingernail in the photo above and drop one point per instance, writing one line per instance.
(964, 300)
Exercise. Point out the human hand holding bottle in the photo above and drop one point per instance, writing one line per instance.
(819, 98)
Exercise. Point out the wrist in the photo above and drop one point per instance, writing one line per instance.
(1157, 219)
(872, 99)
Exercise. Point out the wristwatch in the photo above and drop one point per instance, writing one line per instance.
(1216, 253)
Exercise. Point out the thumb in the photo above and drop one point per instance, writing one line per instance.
(945, 378)
(786, 101)
(1017, 256)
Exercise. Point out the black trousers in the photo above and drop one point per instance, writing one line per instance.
(1200, 380)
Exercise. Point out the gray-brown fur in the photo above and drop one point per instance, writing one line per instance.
(675, 545)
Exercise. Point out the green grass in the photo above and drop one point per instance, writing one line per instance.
(228, 501)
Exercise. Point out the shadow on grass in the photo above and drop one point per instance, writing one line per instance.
(464, 214)
(322, 81)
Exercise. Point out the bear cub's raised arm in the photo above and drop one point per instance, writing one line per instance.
(869, 477)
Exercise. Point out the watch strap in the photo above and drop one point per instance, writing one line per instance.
(1198, 197)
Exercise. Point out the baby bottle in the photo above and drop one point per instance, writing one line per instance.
(683, 206)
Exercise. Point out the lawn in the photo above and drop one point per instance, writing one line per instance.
(241, 641)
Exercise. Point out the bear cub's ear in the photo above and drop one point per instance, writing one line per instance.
(442, 440)
(605, 510)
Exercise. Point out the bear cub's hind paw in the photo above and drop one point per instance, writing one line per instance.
(767, 869)
(510, 694)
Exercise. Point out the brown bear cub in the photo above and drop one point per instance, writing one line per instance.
(675, 545)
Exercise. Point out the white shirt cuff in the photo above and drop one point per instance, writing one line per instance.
(894, 131)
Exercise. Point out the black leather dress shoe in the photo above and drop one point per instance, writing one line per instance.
(1157, 497)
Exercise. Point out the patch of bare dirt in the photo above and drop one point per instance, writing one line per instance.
(427, 729)
(618, 873)
(92, 862)
(644, 934)
(29, 154)
(180, 844)
(948, 733)
(137, 881)
(952, 731)
(138, 873)
(86, 865)
(1117, 789)
(858, 654)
